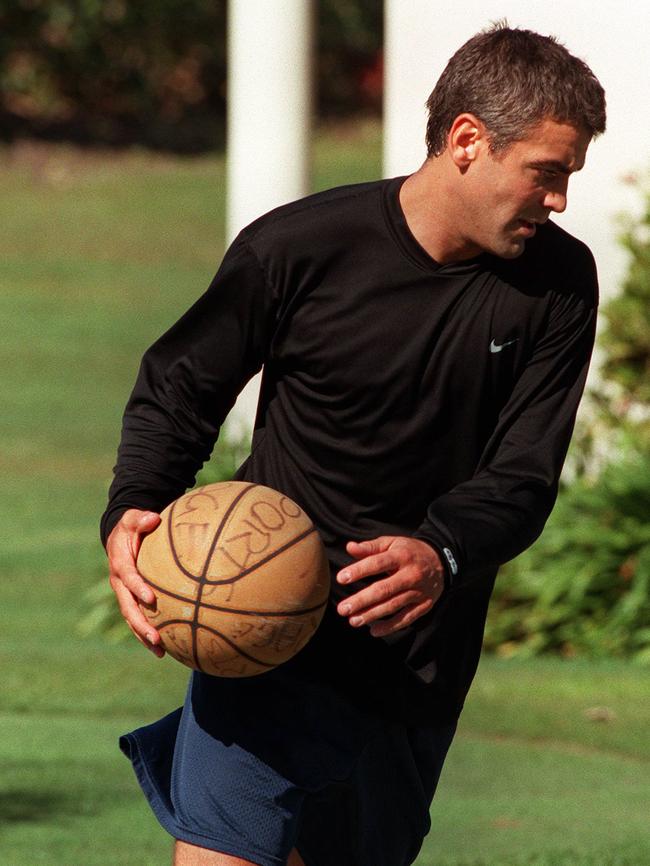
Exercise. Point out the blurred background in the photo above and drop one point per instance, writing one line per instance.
(117, 201)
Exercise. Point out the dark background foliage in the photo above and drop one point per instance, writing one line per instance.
(153, 72)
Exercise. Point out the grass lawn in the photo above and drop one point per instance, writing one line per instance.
(100, 252)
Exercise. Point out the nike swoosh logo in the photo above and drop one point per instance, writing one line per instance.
(496, 347)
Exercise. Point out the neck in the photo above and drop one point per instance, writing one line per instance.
(433, 212)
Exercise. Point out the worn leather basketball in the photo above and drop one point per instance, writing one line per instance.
(240, 576)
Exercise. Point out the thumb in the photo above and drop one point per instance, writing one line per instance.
(148, 521)
(145, 524)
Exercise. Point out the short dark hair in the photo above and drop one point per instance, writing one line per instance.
(511, 80)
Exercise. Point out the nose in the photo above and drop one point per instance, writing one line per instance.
(555, 201)
(556, 195)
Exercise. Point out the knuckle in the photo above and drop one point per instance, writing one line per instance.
(132, 580)
(136, 620)
(118, 582)
(384, 591)
(407, 580)
(407, 560)
(124, 612)
(395, 605)
(117, 586)
(415, 573)
(125, 601)
(359, 602)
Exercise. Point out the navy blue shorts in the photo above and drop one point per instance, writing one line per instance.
(255, 767)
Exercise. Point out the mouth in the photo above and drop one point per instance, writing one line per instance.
(527, 228)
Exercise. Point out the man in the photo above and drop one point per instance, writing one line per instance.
(425, 343)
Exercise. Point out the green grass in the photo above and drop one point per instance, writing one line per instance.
(533, 778)
(99, 252)
(64, 798)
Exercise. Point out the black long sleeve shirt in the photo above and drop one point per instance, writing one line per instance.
(399, 396)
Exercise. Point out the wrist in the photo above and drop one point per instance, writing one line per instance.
(443, 563)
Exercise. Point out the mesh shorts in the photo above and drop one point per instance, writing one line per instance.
(255, 767)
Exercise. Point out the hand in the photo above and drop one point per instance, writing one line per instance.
(122, 548)
(414, 583)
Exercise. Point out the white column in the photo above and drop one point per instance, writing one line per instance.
(268, 121)
(269, 106)
(410, 74)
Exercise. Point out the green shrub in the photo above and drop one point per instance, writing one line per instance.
(584, 588)
(626, 335)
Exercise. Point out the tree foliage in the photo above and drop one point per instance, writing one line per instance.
(154, 71)
(114, 71)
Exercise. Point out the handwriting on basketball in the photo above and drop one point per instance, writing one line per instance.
(263, 521)
(195, 501)
(192, 531)
(277, 636)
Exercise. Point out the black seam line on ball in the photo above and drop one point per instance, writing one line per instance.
(215, 537)
(246, 571)
(223, 638)
(218, 607)
(206, 565)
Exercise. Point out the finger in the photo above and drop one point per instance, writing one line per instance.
(132, 613)
(122, 556)
(359, 549)
(138, 524)
(135, 619)
(139, 521)
(133, 581)
(378, 593)
(133, 525)
(378, 563)
(389, 608)
(404, 618)
(150, 642)
(156, 649)
(147, 522)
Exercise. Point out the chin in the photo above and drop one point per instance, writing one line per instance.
(513, 253)
(509, 249)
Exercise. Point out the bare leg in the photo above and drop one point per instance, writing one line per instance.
(192, 855)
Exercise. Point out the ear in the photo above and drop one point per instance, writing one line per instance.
(467, 137)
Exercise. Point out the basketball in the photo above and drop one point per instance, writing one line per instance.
(240, 576)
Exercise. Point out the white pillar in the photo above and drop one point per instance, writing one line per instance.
(268, 122)
(269, 106)
(410, 73)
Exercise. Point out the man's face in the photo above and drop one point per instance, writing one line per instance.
(513, 191)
